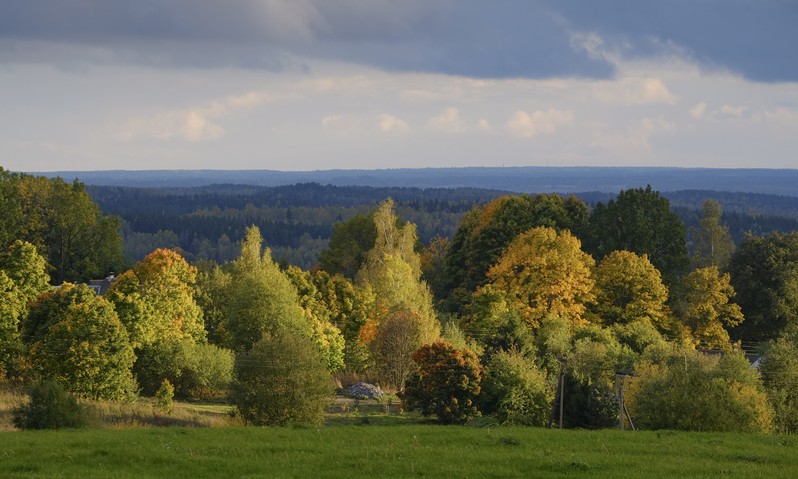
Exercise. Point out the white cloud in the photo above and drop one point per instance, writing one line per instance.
(733, 111)
(189, 124)
(699, 110)
(635, 91)
(449, 121)
(526, 125)
(392, 124)
(484, 125)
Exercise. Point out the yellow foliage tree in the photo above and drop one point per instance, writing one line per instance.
(707, 307)
(155, 300)
(629, 288)
(545, 273)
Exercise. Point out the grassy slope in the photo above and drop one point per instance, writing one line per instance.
(396, 451)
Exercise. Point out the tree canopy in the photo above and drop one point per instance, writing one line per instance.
(544, 272)
(487, 231)
(641, 221)
(764, 273)
(629, 288)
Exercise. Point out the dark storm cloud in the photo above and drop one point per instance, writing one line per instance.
(501, 38)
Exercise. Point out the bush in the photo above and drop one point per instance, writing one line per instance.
(446, 384)
(50, 407)
(281, 380)
(515, 391)
(195, 370)
(779, 371)
(694, 392)
(164, 396)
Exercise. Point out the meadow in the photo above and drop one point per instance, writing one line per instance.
(368, 439)
(416, 450)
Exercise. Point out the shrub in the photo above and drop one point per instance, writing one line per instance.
(196, 370)
(50, 407)
(281, 380)
(164, 396)
(515, 391)
(779, 370)
(692, 391)
(446, 384)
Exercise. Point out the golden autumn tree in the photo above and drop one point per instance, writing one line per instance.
(629, 288)
(544, 272)
(707, 309)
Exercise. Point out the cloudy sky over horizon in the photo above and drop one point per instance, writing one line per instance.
(323, 84)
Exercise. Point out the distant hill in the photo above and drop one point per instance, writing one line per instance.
(516, 179)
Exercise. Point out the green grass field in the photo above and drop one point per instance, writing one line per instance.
(369, 439)
(391, 451)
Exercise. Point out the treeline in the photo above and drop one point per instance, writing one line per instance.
(534, 302)
(297, 221)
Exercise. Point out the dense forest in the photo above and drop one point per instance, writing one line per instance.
(464, 303)
(297, 220)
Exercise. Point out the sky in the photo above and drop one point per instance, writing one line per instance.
(299, 85)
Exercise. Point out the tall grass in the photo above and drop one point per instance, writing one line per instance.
(142, 412)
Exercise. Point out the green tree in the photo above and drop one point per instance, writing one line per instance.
(156, 300)
(82, 343)
(712, 242)
(67, 227)
(281, 380)
(348, 307)
(392, 271)
(446, 383)
(629, 288)
(764, 273)
(350, 242)
(23, 278)
(641, 221)
(10, 205)
(516, 391)
(487, 231)
(591, 365)
(494, 323)
(26, 268)
(327, 337)
(545, 273)
(196, 370)
(779, 370)
(707, 307)
(261, 299)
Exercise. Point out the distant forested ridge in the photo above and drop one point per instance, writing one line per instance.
(531, 179)
(297, 220)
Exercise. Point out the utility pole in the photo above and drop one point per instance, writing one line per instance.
(623, 412)
(619, 377)
(559, 395)
(562, 388)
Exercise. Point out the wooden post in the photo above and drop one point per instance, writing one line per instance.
(621, 403)
(562, 390)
